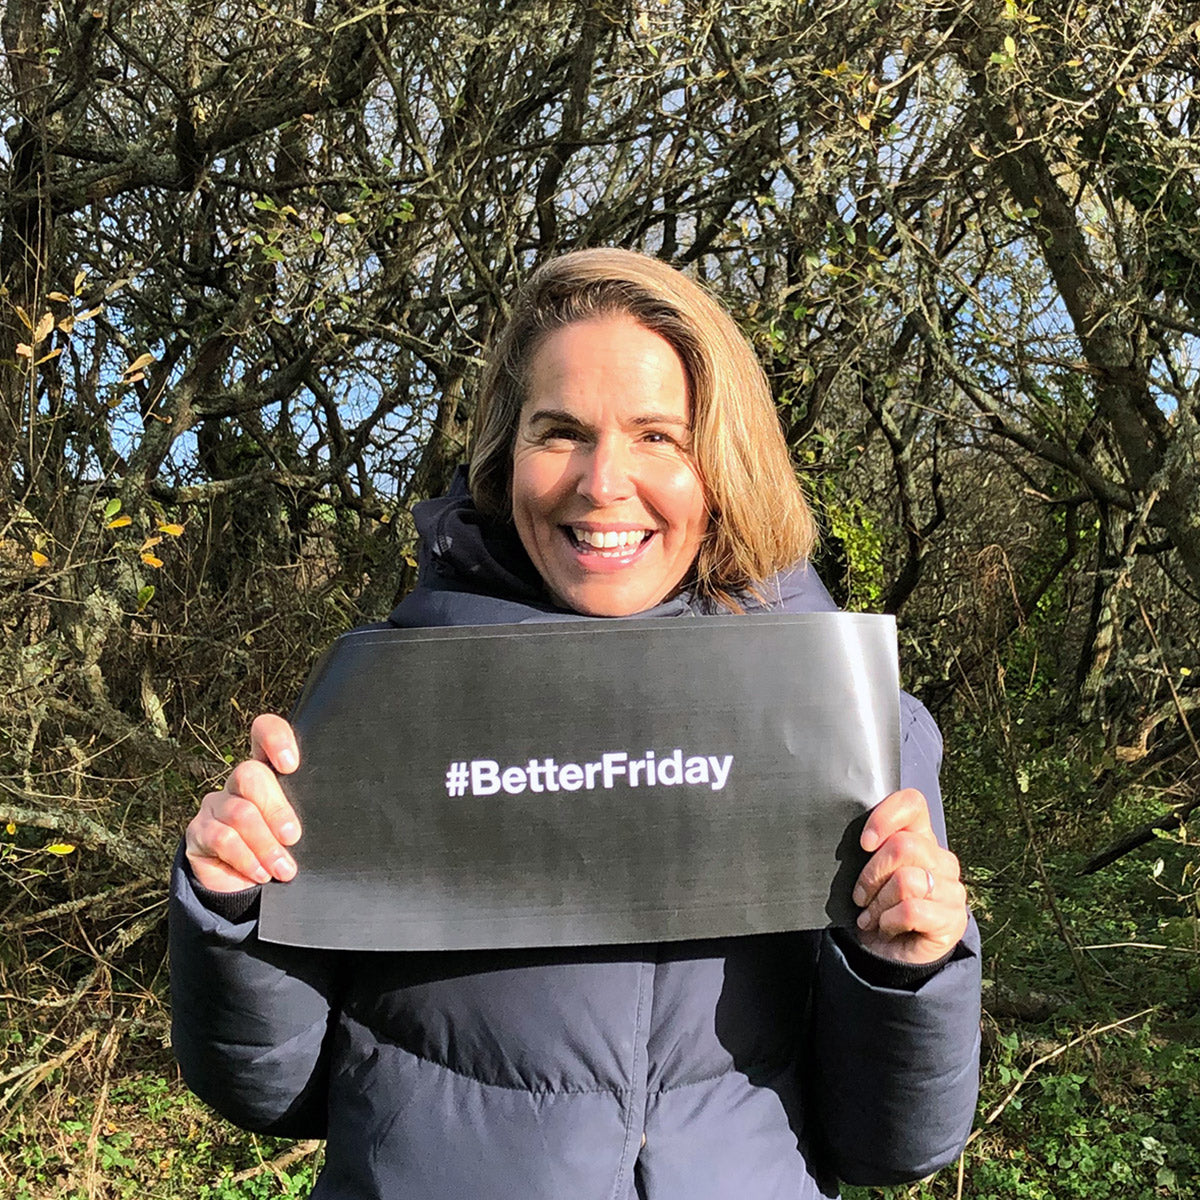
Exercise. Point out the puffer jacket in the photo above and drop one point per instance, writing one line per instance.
(758, 1068)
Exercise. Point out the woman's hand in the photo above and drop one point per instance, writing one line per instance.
(237, 838)
(914, 905)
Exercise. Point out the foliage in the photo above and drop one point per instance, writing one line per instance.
(120, 1147)
(249, 258)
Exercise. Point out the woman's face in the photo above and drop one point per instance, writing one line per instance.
(606, 496)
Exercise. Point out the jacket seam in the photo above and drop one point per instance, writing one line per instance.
(631, 1116)
(509, 1087)
(766, 1065)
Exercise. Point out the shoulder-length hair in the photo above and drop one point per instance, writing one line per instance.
(759, 521)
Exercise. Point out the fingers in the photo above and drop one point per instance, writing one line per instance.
(272, 741)
(238, 837)
(905, 809)
(228, 840)
(255, 781)
(915, 900)
(910, 892)
(898, 833)
(902, 850)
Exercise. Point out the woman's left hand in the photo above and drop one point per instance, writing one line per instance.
(914, 904)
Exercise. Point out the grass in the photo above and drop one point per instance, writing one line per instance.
(149, 1140)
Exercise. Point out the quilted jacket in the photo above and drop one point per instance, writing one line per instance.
(756, 1068)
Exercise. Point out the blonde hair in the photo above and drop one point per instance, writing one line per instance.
(760, 522)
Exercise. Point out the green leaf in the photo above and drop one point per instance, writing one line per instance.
(111, 509)
(144, 597)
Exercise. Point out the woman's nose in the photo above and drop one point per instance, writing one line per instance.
(607, 472)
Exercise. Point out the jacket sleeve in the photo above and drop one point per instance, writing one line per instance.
(897, 1068)
(250, 1021)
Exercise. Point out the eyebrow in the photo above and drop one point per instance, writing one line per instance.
(561, 416)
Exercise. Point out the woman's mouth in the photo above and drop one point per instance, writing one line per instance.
(608, 543)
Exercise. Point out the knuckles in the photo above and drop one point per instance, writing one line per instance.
(903, 849)
(246, 778)
(902, 806)
(219, 829)
(903, 917)
(908, 848)
(239, 812)
(912, 883)
(224, 841)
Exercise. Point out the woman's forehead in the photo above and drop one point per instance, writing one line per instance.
(611, 364)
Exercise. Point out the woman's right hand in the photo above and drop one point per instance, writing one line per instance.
(238, 837)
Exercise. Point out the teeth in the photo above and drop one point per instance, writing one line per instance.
(610, 539)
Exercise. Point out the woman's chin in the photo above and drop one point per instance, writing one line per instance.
(614, 581)
(610, 594)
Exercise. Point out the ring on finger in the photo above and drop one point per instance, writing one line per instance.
(928, 884)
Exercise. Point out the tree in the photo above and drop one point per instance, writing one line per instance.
(251, 257)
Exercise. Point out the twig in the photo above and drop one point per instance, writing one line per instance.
(1174, 819)
(1045, 1058)
(1140, 946)
(39, 1071)
(1048, 891)
(70, 906)
(108, 1054)
(30, 1073)
(1179, 708)
(278, 1163)
(144, 858)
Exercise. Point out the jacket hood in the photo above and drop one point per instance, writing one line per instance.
(459, 544)
(472, 570)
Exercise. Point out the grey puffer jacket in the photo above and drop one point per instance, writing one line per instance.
(758, 1068)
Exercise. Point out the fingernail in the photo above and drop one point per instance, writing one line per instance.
(261, 875)
(860, 897)
(285, 868)
(864, 919)
(869, 840)
(288, 760)
(289, 832)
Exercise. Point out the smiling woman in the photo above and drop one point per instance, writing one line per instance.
(628, 461)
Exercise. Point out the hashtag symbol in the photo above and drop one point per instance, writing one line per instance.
(456, 779)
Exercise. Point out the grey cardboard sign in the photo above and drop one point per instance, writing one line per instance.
(587, 782)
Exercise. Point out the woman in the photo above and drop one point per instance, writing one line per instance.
(628, 461)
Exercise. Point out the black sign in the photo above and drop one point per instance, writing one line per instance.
(587, 782)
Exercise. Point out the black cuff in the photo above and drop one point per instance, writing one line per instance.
(233, 906)
(883, 972)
